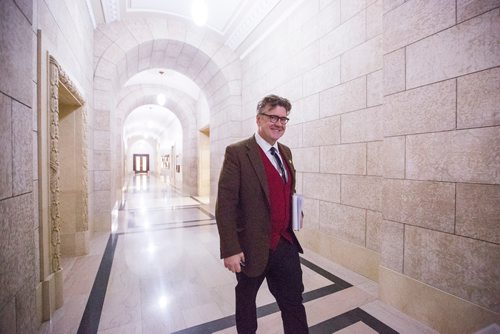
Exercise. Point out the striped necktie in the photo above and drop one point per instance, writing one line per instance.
(280, 164)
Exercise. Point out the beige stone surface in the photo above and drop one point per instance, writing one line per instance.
(375, 88)
(305, 110)
(329, 16)
(392, 236)
(69, 211)
(17, 258)
(392, 4)
(102, 140)
(456, 156)
(343, 159)
(415, 20)
(102, 202)
(306, 159)
(355, 257)
(102, 160)
(5, 146)
(102, 120)
(16, 62)
(478, 99)
(421, 203)
(22, 149)
(349, 8)
(374, 19)
(470, 8)
(345, 97)
(362, 59)
(311, 214)
(8, 317)
(25, 308)
(342, 221)
(324, 187)
(478, 211)
(343, 38)
(325, 131)
(362, 125)
(393, 157)
(432, 306)
(322, 77)
(374, 221)
(468, 47)
(426, 109)
(102, 180)
(454, 264)
(362, 191)
(394, 71)
(374, 158)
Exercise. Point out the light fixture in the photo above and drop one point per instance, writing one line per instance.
(161, 99)
(199, 12)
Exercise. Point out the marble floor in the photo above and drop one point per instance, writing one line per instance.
(159, 272)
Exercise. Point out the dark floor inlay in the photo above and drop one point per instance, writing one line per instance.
(337, 280)
(262, 311)
(92, 314)
(349, 318)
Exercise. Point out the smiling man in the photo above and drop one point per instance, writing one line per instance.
(253, 213)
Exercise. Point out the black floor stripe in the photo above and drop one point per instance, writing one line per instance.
(92, 314)
(349, 318)
(337, 280)
(137, 231)
(91, 317)
(262, 311)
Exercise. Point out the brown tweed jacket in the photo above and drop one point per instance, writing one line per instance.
(242, 209)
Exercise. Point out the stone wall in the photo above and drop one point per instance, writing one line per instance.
(66, 34)
(18, 172)
(394, 130)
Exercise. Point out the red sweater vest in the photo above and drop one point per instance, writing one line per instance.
(281, 199)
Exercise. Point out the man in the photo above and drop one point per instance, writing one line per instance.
(253, 213)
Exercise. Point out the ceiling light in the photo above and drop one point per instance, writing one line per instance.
(161, 99)
(199, 12)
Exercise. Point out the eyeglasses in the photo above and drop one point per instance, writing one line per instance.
(274, 119)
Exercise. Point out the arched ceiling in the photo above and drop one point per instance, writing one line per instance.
(151, 121)
(241, 23)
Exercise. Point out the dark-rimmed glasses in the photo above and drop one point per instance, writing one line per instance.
(274, 119)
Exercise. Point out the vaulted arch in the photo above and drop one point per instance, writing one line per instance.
(125, 48)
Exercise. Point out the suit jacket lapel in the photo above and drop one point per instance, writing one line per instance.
(256, 162)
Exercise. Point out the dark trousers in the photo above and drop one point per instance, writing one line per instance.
(284, 279)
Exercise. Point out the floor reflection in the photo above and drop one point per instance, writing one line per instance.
(160, 272)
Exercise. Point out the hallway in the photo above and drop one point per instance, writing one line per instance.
(160, 272)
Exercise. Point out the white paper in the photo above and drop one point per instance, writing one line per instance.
(297, 203)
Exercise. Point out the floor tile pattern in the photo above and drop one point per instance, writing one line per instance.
(159, 272)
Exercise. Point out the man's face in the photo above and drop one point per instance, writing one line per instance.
(268, 130)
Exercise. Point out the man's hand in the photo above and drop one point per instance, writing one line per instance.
(234, 263)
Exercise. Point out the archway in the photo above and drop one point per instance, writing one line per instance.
(129, 46)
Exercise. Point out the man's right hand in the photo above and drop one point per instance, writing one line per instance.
(234, 263)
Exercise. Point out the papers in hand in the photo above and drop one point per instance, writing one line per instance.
(297, 204)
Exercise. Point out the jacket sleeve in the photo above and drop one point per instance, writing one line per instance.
(228, 202)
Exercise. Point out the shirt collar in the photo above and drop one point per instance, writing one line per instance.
(264, 145)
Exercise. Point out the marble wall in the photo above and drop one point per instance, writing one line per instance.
(66, 35)
(440, 188)
(394, 130)
(18, 172)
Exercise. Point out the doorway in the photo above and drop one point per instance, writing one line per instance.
(141, 163)
(204, 164)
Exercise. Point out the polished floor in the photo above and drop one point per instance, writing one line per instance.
(159, 272)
